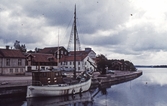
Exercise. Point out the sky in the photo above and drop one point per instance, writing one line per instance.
(134, 30)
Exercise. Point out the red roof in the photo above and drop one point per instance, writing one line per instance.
(71, 58)
(11, 53)
(79, 53)
(50, 50)
(40, 57)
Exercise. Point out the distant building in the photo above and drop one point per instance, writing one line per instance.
(88, 51)
(121, 65)
(67, 62)
(40, 61)
(59, 57)
(12, 62)
(58, 52)
(81, 60)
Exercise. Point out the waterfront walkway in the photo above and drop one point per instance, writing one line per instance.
(10, 81)
(25, 80)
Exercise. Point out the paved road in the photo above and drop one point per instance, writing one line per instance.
(12, 78)
(7, 81)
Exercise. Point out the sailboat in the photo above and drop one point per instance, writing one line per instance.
(53, 82)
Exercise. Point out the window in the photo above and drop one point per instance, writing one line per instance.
(56, 74)
(43, 68)
(8, 62)
(78, 62)
(78, 68)
(19, 62)
(61, 51)
(16, 70)
(21, 70)
(11, 70)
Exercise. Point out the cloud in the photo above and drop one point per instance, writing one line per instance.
(126, 29)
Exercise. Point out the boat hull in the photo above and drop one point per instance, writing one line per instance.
(57, 90)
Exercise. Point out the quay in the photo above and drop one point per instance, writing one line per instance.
(114, 78)
(14, 85)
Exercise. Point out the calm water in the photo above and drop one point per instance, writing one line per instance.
(150, 89)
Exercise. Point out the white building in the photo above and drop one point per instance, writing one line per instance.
(82, 62)
(12, 62)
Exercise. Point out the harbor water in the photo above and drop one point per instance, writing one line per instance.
(150, 89)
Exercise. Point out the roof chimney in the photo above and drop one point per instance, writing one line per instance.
(7, 47)
(88, 49)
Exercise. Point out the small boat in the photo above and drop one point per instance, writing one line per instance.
(54, 83)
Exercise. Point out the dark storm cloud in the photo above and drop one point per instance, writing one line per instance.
(54, 11)
(103, 16)
(91, 16)
(8, 37)
(101, 40)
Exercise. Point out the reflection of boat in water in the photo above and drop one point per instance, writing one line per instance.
(54, 83)
(78, 100)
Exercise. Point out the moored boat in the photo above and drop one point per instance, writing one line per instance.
(54, 83)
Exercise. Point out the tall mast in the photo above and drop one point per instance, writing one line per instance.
(75, 29)
(58, 54)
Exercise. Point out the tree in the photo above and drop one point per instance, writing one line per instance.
(102, 63)
(22, 48)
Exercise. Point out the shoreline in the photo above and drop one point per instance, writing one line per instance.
(14, 85)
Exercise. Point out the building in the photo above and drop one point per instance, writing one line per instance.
(82, 58)
(58, 52)
(12, 62)
(121, 65)
(88, 51)
(59, 57)
(40, 61)
(82, 64)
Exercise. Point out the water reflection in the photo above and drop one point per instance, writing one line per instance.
(12, 100)
(155, 76)
(150, 89)
(83, 99)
